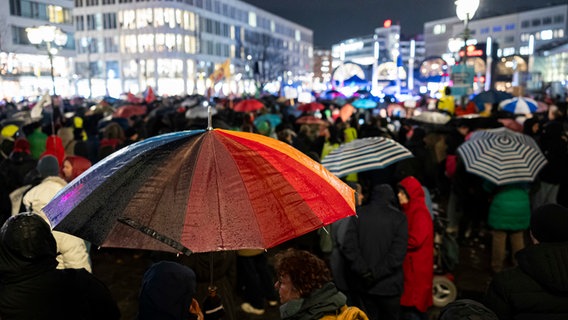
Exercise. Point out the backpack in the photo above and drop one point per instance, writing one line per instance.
(347, 313)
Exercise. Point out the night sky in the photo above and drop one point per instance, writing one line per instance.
(336, 20)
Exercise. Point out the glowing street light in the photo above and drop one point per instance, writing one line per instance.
(465, 10)
(53, 38)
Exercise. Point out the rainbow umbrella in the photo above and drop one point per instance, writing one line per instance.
(200, 191)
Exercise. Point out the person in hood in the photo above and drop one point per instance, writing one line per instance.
(31, 287)
(167, 293)
(538, 287)
(74, 166)
(418, 264)
(375, 247)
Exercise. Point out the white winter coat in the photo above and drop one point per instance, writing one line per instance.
(73, 253)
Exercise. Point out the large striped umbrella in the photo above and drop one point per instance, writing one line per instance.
(198, 191)
(502, 156)
(519, 105)
(363, 155)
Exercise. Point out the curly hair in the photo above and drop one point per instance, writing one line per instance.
(306, 271)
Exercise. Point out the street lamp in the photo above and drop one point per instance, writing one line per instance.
(53, 38)
(465, 10)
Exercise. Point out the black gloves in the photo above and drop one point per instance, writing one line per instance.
(368, 279)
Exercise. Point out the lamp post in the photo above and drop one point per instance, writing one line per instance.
(53, 37)
(86, 43)
(465, 10)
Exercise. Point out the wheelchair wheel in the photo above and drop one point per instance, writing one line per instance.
(444, 291)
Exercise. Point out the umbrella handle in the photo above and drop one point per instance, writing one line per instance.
(156, 235)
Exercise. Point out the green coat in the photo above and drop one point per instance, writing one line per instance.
(510, 209)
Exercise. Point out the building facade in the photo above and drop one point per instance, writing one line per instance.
(25, 69)
(174, 46)
(509, 41)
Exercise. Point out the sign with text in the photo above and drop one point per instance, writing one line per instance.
(462, 79)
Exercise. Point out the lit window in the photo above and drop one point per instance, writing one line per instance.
(439, 29)
(524, 50)
(508, 51)
(252, 19)
(546, 35)
(510, 26)
(158, 17)
(497, 28)
(298, 35)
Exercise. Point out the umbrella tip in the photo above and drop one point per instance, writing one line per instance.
(209, 122)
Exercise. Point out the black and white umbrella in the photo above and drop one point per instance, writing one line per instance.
(502, 156)
(363, 155)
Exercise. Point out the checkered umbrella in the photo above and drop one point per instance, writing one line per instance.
(502, 156)
(363, 155)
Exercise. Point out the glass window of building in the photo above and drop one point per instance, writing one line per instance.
(144, 18)
(252, 19)
(536, 22)
(497, 28)
(547, 21)
(127, 19)
(158, 17)
(525, 24)
(484, 30)
(510, 26)
(170, 17)
(78, 3)
(111, 44)
(128, 44)
(109, 20)
(146, 42)
(558, 19)
(79, 23)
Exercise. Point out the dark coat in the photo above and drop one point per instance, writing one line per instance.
(32, 288)
(536, 289)
(375, 242)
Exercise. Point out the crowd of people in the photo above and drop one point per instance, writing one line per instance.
(378, 264)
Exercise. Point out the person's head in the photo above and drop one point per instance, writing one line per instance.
(402, 196)
(549, 223)
(167, 291)
(48, 166)
(359, 197)
(299, 274)
(26, 237)
(73, 166)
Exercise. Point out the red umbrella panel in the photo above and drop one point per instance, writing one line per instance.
(311, 120)
(199, 191)
(311, 107)
(248, 105)
(128, 111)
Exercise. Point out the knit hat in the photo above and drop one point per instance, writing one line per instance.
(549, 223)
(48, 166)
(28, 236)
(167, 291)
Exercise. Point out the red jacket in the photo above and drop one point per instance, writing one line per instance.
(418, 264)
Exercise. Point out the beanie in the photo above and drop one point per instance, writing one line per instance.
(48, 166)
(549, 223)
(28, 236)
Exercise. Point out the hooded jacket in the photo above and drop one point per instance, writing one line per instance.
(79, 165)
(167, 292)
(32, 288)
(536, 289)
(418, 264)
(375, 242)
